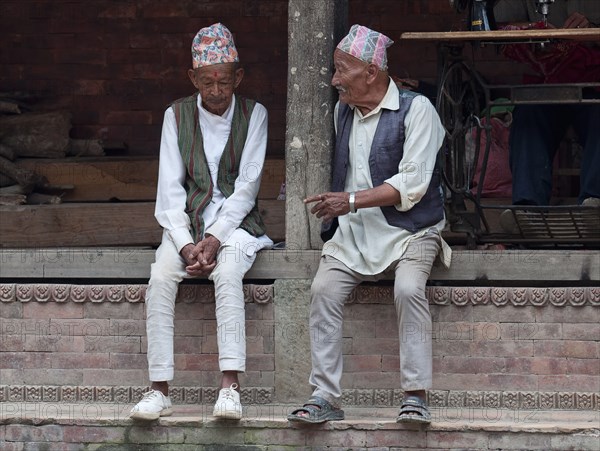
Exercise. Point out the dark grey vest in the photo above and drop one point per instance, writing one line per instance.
(386, 152)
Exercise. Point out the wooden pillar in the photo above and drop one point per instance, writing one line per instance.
(314, 29)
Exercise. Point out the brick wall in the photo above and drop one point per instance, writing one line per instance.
(512, 347)
(85, 343)
(116, 65)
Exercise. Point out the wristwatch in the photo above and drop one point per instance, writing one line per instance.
(351, 201)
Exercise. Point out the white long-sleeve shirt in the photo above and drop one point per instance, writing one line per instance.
(222, 216)
(364, 241)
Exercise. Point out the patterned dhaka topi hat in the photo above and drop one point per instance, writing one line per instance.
(367, 45)
(213, 45)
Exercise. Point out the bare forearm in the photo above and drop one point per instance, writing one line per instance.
(330, 205)
(381, 196)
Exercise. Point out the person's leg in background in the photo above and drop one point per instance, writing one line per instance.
(535, 135)
(585, 120)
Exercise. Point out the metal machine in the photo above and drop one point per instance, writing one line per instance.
(481, 13)
(463, 99)
(543, 8)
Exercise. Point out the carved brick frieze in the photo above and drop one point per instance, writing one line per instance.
(264, 294)
(122, 395)
(11, 292)
(464, 399)
(498, 296)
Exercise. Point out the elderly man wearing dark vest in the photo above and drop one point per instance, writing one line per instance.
(211, 157)
(383, 217)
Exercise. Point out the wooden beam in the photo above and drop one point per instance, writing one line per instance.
(100, 179)
(107, 224)
(525, 268)
(101, 224)
(124, 178)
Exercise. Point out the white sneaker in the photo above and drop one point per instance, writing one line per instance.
(228, 405)
(153, 405)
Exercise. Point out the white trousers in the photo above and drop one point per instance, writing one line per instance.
(166, 273)
(332, 285)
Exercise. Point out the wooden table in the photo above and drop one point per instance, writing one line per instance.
(503, 36)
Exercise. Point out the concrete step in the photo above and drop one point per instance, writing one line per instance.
(106, 427)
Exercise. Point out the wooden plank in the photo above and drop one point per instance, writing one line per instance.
(101, 224)
(477, 267)
(127, 178)
(100, 179)
(577, 34)
(108, 224)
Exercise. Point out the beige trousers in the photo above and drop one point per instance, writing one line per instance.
(331, 286)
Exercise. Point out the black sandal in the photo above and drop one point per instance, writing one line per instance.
(319, 411)
(414, 410)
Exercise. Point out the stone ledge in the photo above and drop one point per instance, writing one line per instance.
(60, 426)
(477, 267)
(274, 415)
(497, 399)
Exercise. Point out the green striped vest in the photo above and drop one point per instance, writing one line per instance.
(199, 186)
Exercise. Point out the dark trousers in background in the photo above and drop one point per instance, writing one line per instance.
(536, 133)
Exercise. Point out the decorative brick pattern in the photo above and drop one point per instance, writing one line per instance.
(33, 394)
(50, 394)
(529, 400)
(104, 394)
(262, 395)
(510, 400)
(16, 394)
(192, 395)
(209, 395)
(260, 294)
(492, 400)
(177, 394)
(263, 294)
(69, 394)
(247, 397)
(122, 394)
(547, 400)
(516, 400)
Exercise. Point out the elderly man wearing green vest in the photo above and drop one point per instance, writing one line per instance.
(211, 157)
(383, 218)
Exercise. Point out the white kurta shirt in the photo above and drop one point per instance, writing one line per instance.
(364, 241)
(222, 215)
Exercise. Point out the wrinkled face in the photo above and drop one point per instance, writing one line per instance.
(216, 85)
(349, 78)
